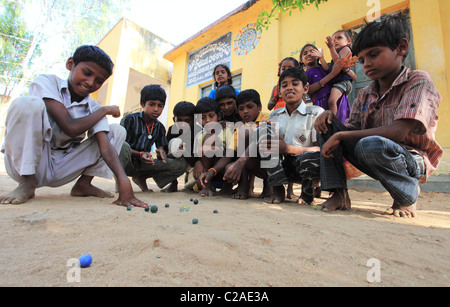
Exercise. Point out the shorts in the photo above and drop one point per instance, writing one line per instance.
(345, 87)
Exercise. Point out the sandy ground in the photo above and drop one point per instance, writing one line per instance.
(247, 243)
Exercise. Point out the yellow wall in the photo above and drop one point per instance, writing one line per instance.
(138, 61)
(430, 25)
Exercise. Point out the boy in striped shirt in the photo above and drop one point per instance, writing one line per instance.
(390, 134)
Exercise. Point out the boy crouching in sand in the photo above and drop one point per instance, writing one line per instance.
(45, 141)
(390, 134)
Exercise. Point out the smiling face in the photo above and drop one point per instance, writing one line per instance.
(307, 57)
(85, 78)
(292, 91)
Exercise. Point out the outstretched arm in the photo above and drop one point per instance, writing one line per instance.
(109, 154)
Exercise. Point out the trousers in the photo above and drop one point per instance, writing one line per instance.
(396, 168)
(28, 151)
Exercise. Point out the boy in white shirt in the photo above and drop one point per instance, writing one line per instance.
(298, 147)
(45, 141)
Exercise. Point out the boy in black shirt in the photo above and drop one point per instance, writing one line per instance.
(143, 131)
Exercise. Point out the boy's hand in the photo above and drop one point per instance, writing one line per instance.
(161, 154)
(233, 172)
(198, 169)
(147, 158)
(205, 178)
(126, 196)
(330, 145)
(114, 111)
(322, 120)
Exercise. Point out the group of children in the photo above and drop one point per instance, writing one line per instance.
(225, 140)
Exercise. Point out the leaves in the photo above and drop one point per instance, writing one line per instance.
(71, 22)
(265, 18)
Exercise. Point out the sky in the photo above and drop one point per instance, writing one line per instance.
(177, 20)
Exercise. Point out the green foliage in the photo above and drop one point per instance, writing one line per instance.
(71, 22)
(282, 6)
(15, 42)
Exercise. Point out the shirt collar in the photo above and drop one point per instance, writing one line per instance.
(301, 108)
(401, 78)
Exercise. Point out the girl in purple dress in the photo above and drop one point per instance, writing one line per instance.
(319, 81)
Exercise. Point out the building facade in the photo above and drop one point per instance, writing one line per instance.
(253, 56)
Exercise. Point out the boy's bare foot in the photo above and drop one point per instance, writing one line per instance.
(227, 189)
(339, 200)
(82, 189)
(22, 193)
(172, 187)
(277, 196)
(241, 192)
(403, 211)
(206, 192)
(290, 191)
(141, 183)
(300, 201)
(265, 192)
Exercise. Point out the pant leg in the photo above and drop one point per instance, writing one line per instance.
(308, 168)
(272, 164)
(164, 173)
(332, 172)
(379, 158)
(27, 136)
(392, 165)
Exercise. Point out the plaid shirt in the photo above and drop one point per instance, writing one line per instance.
(411, 96)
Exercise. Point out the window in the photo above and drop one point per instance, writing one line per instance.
(237, 84)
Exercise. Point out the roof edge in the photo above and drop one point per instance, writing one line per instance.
(241, 8)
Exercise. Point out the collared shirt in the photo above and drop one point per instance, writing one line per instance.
(297, 129)
(411, 96)
(138, 132)
(52, 87)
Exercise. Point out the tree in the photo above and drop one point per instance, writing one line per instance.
(75, 22)
(282, 6)
(15, 42)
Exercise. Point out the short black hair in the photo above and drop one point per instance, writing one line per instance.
(153, 92)
(184, 108)
(296, 73)
(89, 53)
(249, 95)
(386, 31)
(207, 104)
(225, 91)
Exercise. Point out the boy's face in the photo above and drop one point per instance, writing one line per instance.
(292, 90)
(227, 106)
(381, 62)
(209, 117)
(185, 119)
(85, 77)
(153, 108)
(249, 111)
